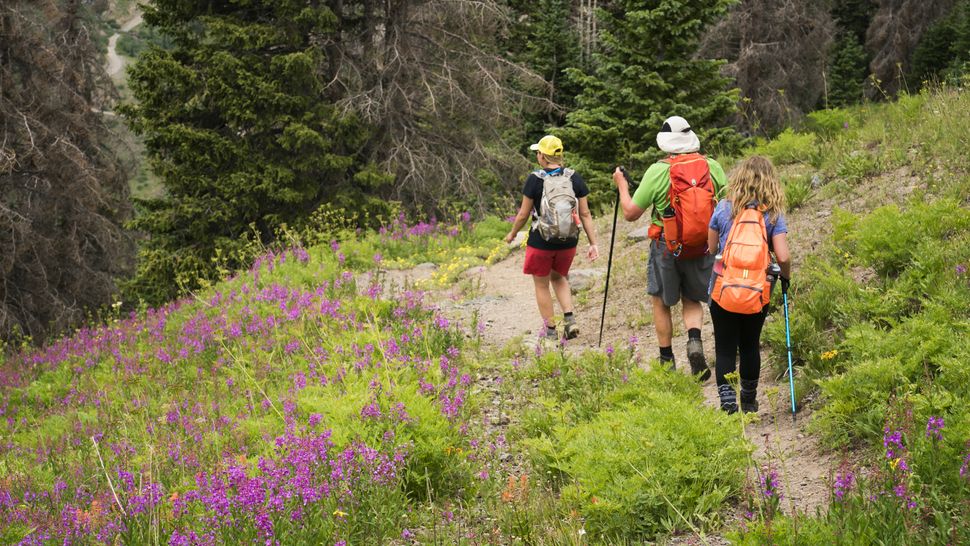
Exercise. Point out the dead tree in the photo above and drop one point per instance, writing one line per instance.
(428, 76)
(776, 52)
(894, 33)
(63, 196)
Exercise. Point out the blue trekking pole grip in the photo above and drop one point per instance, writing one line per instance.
(791, 374)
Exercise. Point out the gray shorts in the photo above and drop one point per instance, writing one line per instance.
(672, 278)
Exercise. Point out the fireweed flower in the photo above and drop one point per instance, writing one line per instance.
(769, 484)
(843, 484)
(893, 442)
(934, 429)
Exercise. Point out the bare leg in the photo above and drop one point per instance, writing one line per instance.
(543, 298)
(561, 285)
(662, 322)
(693, 313)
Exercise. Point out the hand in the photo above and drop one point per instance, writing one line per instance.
(510, 237)
(785, 283)
(593, 253)
(618, 177)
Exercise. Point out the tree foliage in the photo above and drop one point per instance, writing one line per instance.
(644, 71)
(265, 110)
(550, 37)
(63, 196)
(846, 72)
(944, 51)
(776, 52)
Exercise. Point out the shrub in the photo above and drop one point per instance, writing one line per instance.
(797, 190)
(636, 453)
(788, 147)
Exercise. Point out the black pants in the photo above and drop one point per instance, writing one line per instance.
(736, 333)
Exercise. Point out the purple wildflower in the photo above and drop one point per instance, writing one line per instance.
(961, 269)
(934, 429)
(843, 484)
(769, 484)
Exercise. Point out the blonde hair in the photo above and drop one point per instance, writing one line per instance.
(553, 159)
(755, 180)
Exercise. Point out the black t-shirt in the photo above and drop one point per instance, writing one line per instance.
(533, 190)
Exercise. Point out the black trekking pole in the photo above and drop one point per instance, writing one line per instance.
(609, 260)
(791, 373)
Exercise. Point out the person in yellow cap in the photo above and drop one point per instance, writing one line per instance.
(556, 198)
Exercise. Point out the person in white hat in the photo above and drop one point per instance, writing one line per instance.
(551, 245)
(673, 277)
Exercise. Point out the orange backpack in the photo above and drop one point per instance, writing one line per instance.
(742, 285)
(692, 200)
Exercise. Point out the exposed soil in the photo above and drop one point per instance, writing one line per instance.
(504, 301)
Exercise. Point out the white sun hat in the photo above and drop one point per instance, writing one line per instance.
(676, 137)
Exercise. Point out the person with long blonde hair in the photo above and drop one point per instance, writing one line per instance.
(752, 183)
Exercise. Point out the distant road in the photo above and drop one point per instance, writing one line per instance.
(115, 62)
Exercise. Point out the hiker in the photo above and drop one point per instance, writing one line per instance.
(755, 202)
(682, 191)
(555, 197)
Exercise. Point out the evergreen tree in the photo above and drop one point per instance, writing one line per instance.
(847, 72)
(853, 17)
(644, 72)
(945, 48)
(545, 39)
(238, 126)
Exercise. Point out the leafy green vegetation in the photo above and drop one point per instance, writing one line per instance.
(634, 452)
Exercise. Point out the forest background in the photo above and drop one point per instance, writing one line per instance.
(256, 122)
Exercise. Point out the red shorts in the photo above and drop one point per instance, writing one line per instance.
(541, 262)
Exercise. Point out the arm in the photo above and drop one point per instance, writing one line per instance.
(589, 227)
(780, 244)
(718, 177)
(631, 211)
(521, 217)
(713, 240)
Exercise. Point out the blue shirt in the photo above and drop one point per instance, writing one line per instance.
(721, 223)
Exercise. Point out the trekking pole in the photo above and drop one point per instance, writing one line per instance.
(609, 260)
(791, 374)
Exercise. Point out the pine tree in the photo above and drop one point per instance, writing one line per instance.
(644, 72)
(847, 72)
(238, 126)
(944, 48)
(545, 39)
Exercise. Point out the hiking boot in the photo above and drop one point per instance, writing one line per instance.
(668, 362)
(571, 331)
(749, 395)
(728, 398)
(698, 364)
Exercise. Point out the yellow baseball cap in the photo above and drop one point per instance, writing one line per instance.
(548, 145)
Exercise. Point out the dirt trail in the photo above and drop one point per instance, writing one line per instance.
(503, 299)
(115, 63)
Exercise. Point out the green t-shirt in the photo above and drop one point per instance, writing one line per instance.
(653, 189)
